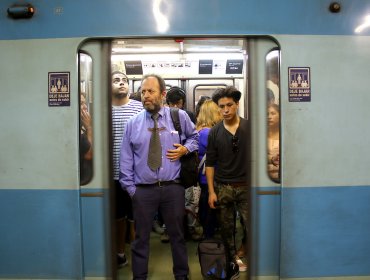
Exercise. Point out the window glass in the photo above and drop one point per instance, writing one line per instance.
(273, 115)
(86, 135)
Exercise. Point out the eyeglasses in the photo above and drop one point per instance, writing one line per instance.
(235, 144)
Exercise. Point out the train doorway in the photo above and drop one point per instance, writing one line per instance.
(199, 67)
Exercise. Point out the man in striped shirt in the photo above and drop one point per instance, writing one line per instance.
(123, 109)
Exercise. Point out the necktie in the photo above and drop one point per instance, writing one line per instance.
(155, 149)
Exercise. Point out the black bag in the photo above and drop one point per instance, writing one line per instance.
(213, 259)
(190, 161)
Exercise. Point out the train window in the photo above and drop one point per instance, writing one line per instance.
(202, 92)
(86, 135)
(273, 115)
(205, 90)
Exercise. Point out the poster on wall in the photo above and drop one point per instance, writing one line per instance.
(133, 67)
(164, 67)
(205, 66)
(299, 84)
(234, 66)
(59, 89)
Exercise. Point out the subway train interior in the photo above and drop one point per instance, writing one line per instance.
(309, 219)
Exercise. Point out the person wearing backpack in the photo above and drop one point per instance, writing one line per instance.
(150, 171)
(226, 170)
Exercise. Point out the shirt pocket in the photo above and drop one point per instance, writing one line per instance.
(173, 137)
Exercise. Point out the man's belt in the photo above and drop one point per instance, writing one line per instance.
(160, 183)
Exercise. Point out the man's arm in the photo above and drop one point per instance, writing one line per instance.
(86, 122)
(191, 142)
(211, 162)
(126, 174)
(212, 197)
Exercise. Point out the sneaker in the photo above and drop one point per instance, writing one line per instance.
(157, 228)
(121, 261)
(233, 271)
(242, 266)
(164, 237)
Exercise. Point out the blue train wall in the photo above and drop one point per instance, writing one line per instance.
(63, 19)
(324, 225)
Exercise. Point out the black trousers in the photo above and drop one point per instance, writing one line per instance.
(170, 201)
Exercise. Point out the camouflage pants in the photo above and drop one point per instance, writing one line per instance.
(231, 199)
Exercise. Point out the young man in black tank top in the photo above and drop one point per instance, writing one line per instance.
(226, 169)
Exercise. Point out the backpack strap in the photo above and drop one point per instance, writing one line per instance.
(203, 170)
(202, 161)
(176, 120)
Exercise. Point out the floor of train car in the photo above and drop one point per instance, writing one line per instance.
(160, 260)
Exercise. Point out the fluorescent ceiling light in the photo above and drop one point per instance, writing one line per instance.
(212, 49)
(145, 50)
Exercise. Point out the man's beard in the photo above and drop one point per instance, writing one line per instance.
(120, 95)
(152, 108)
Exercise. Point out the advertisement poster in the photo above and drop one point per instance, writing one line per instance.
(205, 66)
(58, 89)
(134, 67)
(234, 66)
(299, 84)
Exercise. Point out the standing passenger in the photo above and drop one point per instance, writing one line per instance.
(273, 159)
(136, 95)
(153, 183)
(176, 97)
(208, 116)
(226, 170)
(86, 154)
(200, 102)
(123, 109)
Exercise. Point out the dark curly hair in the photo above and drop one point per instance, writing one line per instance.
(175, 94)
(229, 91)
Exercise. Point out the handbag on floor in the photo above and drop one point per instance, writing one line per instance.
(215, 262)
(213, 259)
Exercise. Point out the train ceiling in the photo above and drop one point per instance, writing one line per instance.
(179, 46)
